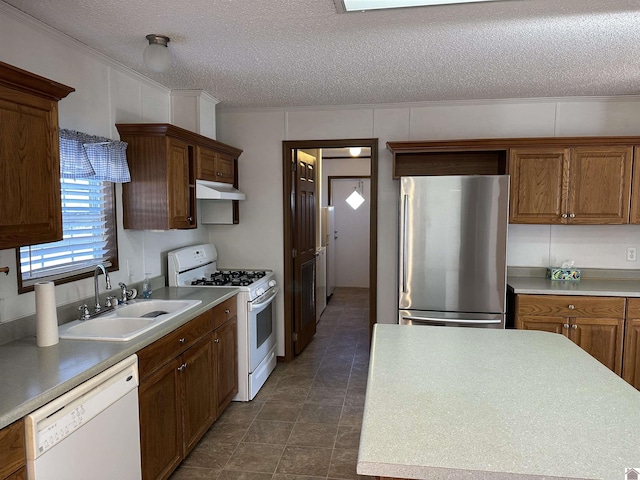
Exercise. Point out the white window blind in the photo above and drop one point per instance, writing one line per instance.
(88, 234)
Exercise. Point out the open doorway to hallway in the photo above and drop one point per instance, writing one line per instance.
(355, 265)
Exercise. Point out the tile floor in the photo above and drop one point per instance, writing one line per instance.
(305, 421)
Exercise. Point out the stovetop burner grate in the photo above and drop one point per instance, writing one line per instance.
(233, 278)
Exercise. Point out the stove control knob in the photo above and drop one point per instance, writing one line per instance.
(272, 283)
(259, 291)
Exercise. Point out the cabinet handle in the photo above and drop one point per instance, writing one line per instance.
(566, 325)
(190, 219)
(182, 340)
(572, 215)
(571, 307)
(574, 326)
(182, 367)
(219, 174)
(216, 340)
(227, 311)
(564, 215)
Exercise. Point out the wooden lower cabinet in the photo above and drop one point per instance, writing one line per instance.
(12, 452)
(20, 474)
(187, 380)
(631, 361)
(596, 324)
(160, 422)
(226, 354)
(198, 392)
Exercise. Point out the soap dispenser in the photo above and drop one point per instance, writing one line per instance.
(146, 287)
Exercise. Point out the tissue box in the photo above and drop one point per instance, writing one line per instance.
(572, 274)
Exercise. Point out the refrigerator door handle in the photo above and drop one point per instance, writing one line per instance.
(405, 242)
(450, 320)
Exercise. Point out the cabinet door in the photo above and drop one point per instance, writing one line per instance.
(18, 475)
(198, 392)
(226, 353)
(543, 323)
(538, 185)
(12, 452)
(160, 424)
(631, 359)
(225, 169)
(206, 164)
(30, 208)
(601, 338)
(635, 188)
(180, 189)
(600, 185)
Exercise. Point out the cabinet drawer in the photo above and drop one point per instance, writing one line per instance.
(173, 344)
(571, 306)
(224, 312)
(12, 452)
(633, 307)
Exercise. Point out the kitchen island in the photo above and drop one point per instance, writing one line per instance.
(452, 403)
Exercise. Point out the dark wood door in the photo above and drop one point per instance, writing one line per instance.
(226, 360)
(198, 392)
(160, 423)
(304, 245)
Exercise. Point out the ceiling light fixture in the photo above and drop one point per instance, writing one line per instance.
(156, 55)
(355, 151)
(344, 6)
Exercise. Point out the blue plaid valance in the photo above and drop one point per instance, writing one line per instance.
(89, 156)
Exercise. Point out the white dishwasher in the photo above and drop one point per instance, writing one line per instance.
(90, 432)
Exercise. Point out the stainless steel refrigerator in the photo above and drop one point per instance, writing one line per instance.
(453, 249)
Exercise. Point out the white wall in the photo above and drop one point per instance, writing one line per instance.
(260, 134)
(106, 94)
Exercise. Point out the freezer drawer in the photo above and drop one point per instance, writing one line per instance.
(450, 319)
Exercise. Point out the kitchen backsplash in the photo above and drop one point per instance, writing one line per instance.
(588, 246)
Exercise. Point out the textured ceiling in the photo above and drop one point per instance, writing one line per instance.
(250, 53)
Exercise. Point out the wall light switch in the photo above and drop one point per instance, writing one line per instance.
(632, 254)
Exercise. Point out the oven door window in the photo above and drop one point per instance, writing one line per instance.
(264, 326)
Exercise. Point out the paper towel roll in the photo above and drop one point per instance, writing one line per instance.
(46, 314)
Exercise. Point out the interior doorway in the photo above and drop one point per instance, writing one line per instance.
(293, 279)
(351, 233)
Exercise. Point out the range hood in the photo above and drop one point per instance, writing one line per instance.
(206, 190)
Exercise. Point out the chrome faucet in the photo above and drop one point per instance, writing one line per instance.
(96, 272)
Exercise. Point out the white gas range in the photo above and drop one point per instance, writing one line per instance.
(196, 266)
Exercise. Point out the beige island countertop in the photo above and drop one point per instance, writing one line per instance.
(452, 403)
(31, 376)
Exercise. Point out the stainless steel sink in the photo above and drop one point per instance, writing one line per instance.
(126, 322)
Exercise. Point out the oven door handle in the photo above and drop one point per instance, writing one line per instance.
(264, 299)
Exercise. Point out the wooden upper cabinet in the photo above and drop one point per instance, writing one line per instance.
(635, 188)
(600, 185)
(538, 185)
(30, 208)
(165, 161)
(181, 187)
(215, 166)
(587, 185)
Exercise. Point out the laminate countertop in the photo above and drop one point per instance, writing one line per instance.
(31, 376)
(591, 287)
(452, 403)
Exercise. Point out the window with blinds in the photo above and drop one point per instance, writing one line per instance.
(89, 236)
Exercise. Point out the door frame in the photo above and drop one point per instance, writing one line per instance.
(287, 147)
